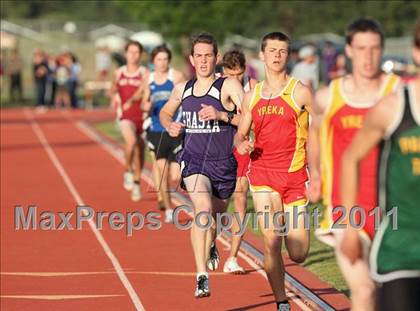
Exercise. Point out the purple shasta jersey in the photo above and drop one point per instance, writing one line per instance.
(207, 147)
(206, 140)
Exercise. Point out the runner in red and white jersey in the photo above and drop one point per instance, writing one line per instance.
(126, 93)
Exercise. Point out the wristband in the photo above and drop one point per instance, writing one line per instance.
(230, 116)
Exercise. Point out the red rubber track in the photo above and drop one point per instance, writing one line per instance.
(158, 264)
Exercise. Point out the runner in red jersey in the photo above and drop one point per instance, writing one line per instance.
(278, 109)
(127, 92)
(234, 66)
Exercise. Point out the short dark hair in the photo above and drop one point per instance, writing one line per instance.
(136, 43)
(364, 24)
(275, 36)
(204, 37)
(233, 59)
(158, 49)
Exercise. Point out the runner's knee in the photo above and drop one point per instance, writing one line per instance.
(130, 145)
(202, 206)
(240, 201)
(298, 249)
(298, 256)
(272, 242)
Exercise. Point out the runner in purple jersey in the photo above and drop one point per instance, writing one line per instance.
(208, 167)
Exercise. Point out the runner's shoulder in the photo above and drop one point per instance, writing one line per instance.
(232, 84)
(303, 94)
(178, 76)
(179, 88)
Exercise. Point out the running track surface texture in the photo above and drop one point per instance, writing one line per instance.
(54, 162)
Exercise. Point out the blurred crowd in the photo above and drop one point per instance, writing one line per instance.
(56, 79)
(314, 65)
(317, 65)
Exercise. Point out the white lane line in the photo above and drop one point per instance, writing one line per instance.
(56, 162)
(57, 297)
(90, 273)
(118, 154)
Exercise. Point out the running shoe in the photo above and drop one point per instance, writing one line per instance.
(214, 257)
(136, 192)
(169, 215)
(202, 289)
(232, 266)
(284, 306)
(128, 181)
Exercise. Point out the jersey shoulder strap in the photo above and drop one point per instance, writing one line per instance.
(391, 84)
(151, 77)
(335, 98)
(171, 75)
(188, 88)
(256, 95)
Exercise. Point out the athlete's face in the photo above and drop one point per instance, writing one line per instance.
(275, 55)
(161, 62)
(203, 59)
(236, 73)
(365, 52)
(133, 55)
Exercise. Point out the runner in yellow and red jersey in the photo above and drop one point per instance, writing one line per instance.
(340, 111)
(278, 109)
(341, 121)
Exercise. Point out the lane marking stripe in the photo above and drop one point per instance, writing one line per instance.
(57, 297)
(87, 273)
(57, 164)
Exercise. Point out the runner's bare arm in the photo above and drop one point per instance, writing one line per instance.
(113, 91)
(139, 94)
(236, 95)
(313, 147)
(146, 103)
(377, 121)
(232, 91)
(169, 109)
(241, 141)
(304, 97)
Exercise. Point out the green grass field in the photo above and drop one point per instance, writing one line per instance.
(321, 258)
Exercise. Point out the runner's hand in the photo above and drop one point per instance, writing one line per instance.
(314, 191)
(208, 113)
(175, 129)
(245, 147)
